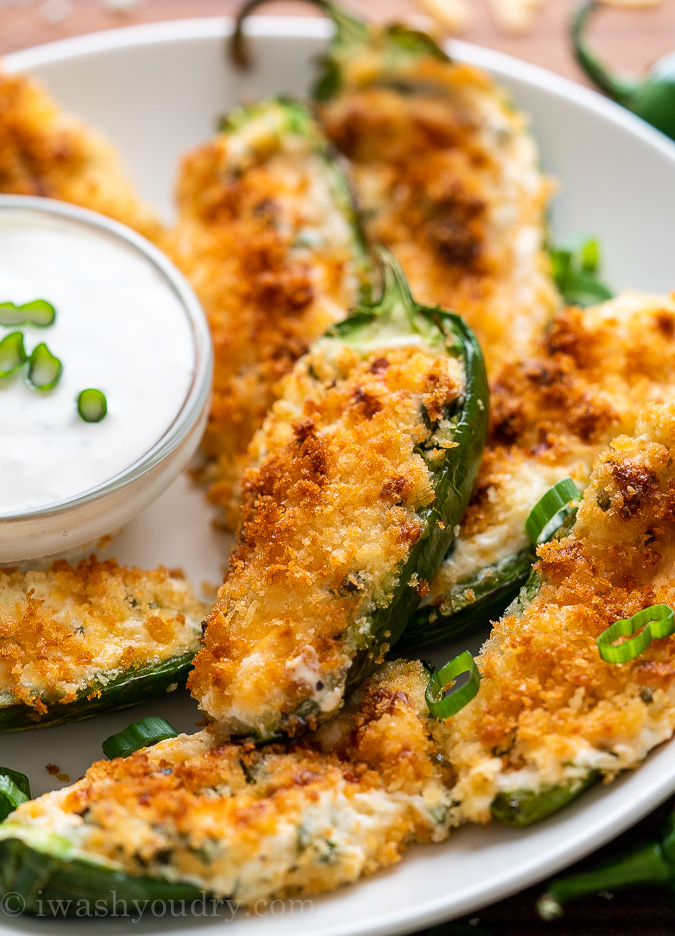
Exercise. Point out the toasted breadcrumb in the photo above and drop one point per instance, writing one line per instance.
(549, 709)
(68, 629)
(248, 823)
(44, 152)
(330, 513)
(264, 240)
(583, 383)
(448, 176)
(252, 822)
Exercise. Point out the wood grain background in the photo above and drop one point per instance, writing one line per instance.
(631, 39)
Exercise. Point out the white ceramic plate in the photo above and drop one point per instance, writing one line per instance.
(157, 91)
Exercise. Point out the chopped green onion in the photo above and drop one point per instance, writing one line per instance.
(14, 790)
(92, 405)
(12, 353)
(658, 621)
(137, 735)
(442, 706)
(590, 255)
(549, 513)
(44, 369)
(10, 314)
(37, 312)
(574, 267)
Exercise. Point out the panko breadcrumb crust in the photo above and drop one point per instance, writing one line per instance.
(46, 153)
(549, 708)
(245, 822)
(447, 175)
(266, 299)
(70, 628)
(330, 513)
(583, 382)
(251, 822)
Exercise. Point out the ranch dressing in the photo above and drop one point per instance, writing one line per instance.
(120, 328)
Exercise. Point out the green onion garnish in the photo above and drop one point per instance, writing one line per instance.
(549, 513)
(10, 314)
(44, 369)
(658, 621)
(140, 734)
(92, 405)
(37, 312)
(574, 267)
(14, 790)
(442, 706)
(12, 353)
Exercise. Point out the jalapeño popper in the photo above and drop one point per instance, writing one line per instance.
(358, 478)
(268, 236)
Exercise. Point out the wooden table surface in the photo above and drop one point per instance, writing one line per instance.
(629, 38)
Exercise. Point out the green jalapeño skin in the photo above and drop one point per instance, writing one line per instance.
(651, 865)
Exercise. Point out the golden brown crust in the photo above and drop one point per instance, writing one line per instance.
(45, 153)
(67, 628)
(265, 299)
(448, 177)
(249, 823)
(329, 515)
(583, 383)
(549, 707)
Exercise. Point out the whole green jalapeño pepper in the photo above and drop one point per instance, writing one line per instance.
(652, 98)
(652, 863)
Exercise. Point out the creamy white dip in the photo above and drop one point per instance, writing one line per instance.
(120, 328)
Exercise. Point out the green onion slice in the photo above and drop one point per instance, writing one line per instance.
(10, 314)
(442, 706)
(37, 312)
(12, 353)
(656, 622)
(137, 735)
(590, 255)
(92, 405)
(44, 368)
(14, 790)
(550, 512)
(574, 267)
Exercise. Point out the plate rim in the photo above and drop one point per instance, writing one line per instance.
(627, 812)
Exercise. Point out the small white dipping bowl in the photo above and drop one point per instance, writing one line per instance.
(128, 324)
